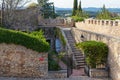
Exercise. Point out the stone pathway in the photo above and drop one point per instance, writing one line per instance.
(78, 72)
(71, 78)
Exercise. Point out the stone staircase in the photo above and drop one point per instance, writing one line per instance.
(78, 61)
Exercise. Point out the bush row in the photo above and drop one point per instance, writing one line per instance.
(34, 40)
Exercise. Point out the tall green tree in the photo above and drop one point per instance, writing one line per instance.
(42, 2)
(47, 8)
(79, 7)
(80, 13)
(104, 14)
(75, 7)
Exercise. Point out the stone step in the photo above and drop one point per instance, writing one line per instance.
(75, 50)
(70, 40)
(73, 45)
(77, 54)
(81, 61)
(69, 36)
(81, 64)
(79, 58)
(78, 67)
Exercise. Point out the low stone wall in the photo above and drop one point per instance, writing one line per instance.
(50, 22)
(107, 27)
(57, 74)
(98, 73)
(113, 44)
(18, 61)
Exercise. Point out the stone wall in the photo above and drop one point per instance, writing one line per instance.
(107, 27)
(30, 19)
(113, 44)
(57, 74)
(18, 61)
(98, 73)
(25, 19)
(50, 22)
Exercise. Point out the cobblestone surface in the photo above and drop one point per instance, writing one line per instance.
(70, 78)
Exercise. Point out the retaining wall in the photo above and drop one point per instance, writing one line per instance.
(18, 61)
(113, 44)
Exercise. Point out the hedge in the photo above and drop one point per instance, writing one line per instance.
(33, 40)
(77, 18)
(95, 52)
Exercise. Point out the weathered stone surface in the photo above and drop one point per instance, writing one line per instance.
(57, 74)
(113, 44)
(100, 26)
(98, 73)
(16, 60)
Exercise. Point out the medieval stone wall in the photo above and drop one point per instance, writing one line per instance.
(113, 44)
(18, 61)
(25, 19)
(107, 27)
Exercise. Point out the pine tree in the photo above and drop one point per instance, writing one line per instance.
(75, 7)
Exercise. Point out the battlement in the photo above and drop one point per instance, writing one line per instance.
(102, 22)
(107, 27)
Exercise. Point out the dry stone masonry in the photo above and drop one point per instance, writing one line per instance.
(18, 61)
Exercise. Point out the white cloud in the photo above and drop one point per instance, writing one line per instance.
(87, 3)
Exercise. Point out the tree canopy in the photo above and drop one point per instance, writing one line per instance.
(75, 7)
(78, 14)
(104, 13)
(31, 5)
(47, 8)
(9, 7)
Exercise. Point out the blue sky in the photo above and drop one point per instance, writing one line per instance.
(87, 3)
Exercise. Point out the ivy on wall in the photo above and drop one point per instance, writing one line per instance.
(60, 36)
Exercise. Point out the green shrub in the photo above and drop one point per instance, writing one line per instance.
(33, 40)
(95, 52)
(52, 64)
(77, 19)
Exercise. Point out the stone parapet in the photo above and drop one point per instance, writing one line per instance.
(107, 27)
(113, 44)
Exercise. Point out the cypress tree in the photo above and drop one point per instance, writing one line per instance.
(53, 11)
(80, 8)
(75, 5)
